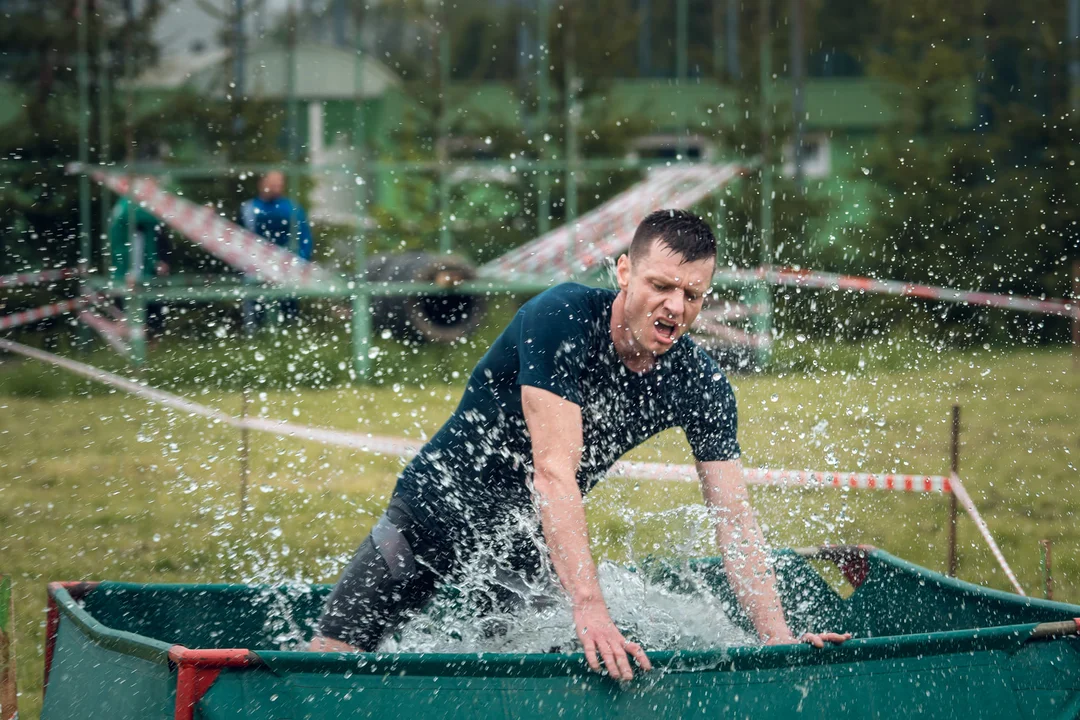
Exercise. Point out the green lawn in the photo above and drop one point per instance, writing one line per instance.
(106, 486)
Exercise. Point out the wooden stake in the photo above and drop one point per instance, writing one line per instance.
(244, 453)
(951, 559)
(1076, 315)
(1047, 569)
(9, 705)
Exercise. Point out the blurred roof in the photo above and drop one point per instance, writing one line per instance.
(849, 103)
(323, 72)
(174, 71)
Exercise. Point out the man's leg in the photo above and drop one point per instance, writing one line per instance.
(252, 311)
(394, 572)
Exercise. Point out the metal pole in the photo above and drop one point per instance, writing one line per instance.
(798, 83)
(239, 57)
(86, 248)
(543, 57)
(361, 299)
(718, 46)
(570, 82)
(104, 132)
(1076, 315)
(292, 130)
(732, 44)
(762, 323)
(951, 559)
(1046, 562)
(1074, 54)
(244, 451)
(135, 304)
(340, 7)
(682, 14)
(361, 313)
(645, 38)
(442, 148)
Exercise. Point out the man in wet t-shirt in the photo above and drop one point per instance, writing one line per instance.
(579, 377)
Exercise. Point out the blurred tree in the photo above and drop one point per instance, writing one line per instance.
(976, 177)
(38, 200)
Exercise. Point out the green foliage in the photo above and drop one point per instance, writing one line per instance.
(975, 192)
(38, 200)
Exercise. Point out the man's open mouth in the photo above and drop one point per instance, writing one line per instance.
(665, 328)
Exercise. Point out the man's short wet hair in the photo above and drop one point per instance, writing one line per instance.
(681, 232)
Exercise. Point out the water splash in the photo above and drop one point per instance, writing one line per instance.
(678, 613)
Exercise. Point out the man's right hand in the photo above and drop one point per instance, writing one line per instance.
(601, 639)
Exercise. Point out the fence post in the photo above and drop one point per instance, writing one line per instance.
(1076, 315)
(1047, 569)
(244, 451)
(951, 560)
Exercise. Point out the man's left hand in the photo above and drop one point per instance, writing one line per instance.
(818, 640)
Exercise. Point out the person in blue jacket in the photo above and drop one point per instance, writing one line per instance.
(279, 220)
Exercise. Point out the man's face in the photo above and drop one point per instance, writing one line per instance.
(272, 186)
(663, 295)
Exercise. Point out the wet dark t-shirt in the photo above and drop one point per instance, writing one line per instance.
(478, 466)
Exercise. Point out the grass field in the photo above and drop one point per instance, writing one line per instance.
(106, 486)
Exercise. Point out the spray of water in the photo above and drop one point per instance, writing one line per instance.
(661, 605)
(649, 612)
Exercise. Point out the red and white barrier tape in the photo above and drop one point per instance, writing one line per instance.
(552, 250)
(398, 447)
(404, 448)
(240, 248)
(394, 447)
(832, 281)
(968, 504)
(710, 329)
(35, 278)
(103, 376)
(731, 311)
(793, 478)
(704, 181)
(111, 331)
(25, 317)
(607, 230)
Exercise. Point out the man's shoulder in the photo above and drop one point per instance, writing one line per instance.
(576, 295)
(561, 312)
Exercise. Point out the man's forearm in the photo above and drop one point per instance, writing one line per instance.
(746, 561)
(562, 517)
(752, 577)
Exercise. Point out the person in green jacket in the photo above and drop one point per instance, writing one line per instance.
(148, 227)
(121, 250)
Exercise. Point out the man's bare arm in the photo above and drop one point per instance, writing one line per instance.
(745, 555)
(555, 430)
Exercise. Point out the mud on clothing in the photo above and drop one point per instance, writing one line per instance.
(475, 473)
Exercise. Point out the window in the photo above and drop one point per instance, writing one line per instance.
(816, 159)
(667, 147)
